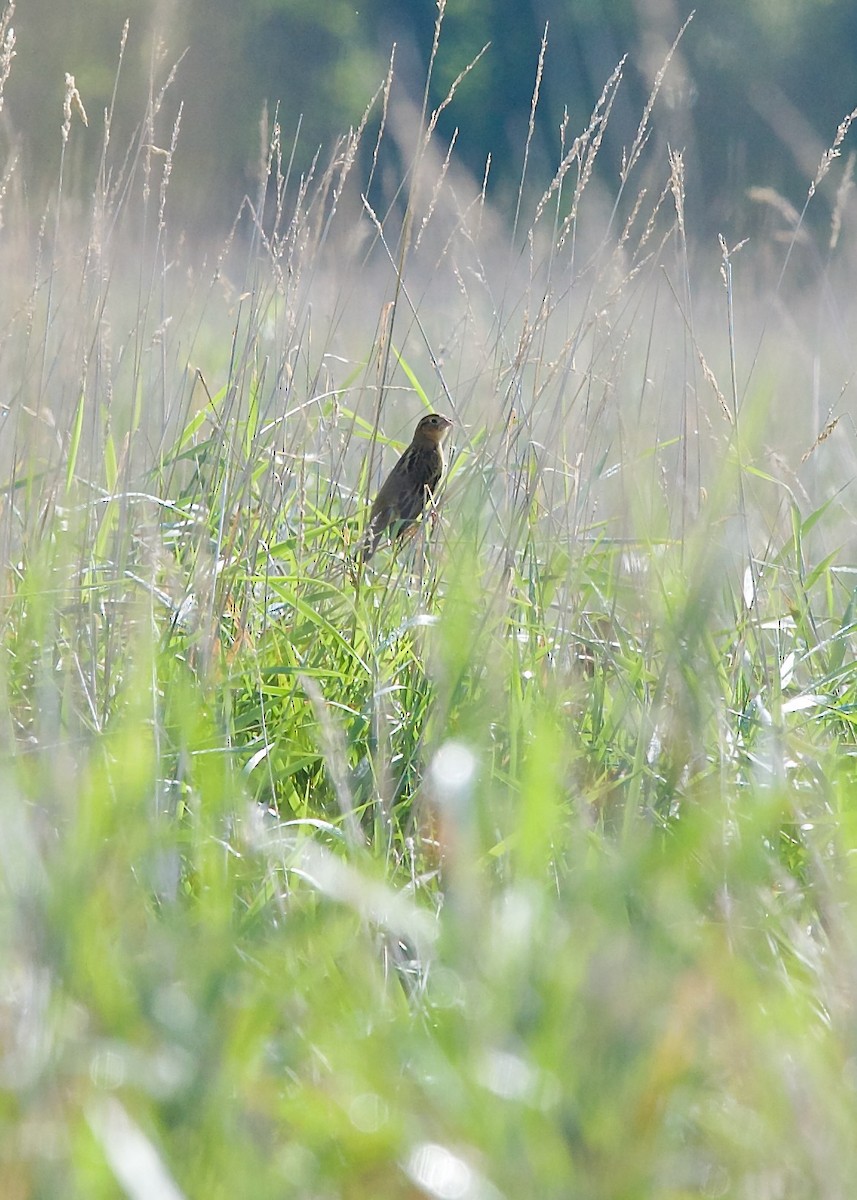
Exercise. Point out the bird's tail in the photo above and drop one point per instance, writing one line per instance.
(369, 542)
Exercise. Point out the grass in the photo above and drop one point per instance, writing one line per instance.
(520, 863)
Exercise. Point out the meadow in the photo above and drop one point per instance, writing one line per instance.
(517, 862)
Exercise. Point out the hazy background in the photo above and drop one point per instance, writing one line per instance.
(754, 94)
(753, 97)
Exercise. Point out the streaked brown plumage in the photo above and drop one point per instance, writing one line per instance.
(410, 485)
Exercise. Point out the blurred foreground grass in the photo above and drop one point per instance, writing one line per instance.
(521, 863)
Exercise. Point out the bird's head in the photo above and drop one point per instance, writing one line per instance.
(431, 430)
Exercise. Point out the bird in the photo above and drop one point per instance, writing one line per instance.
(410, 485)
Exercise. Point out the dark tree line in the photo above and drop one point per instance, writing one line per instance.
(754, 94)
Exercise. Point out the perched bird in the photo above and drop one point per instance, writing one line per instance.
(410, 485)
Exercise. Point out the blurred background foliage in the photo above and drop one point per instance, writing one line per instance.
(754, 94)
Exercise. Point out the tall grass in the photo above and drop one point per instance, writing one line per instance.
(518, 863)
